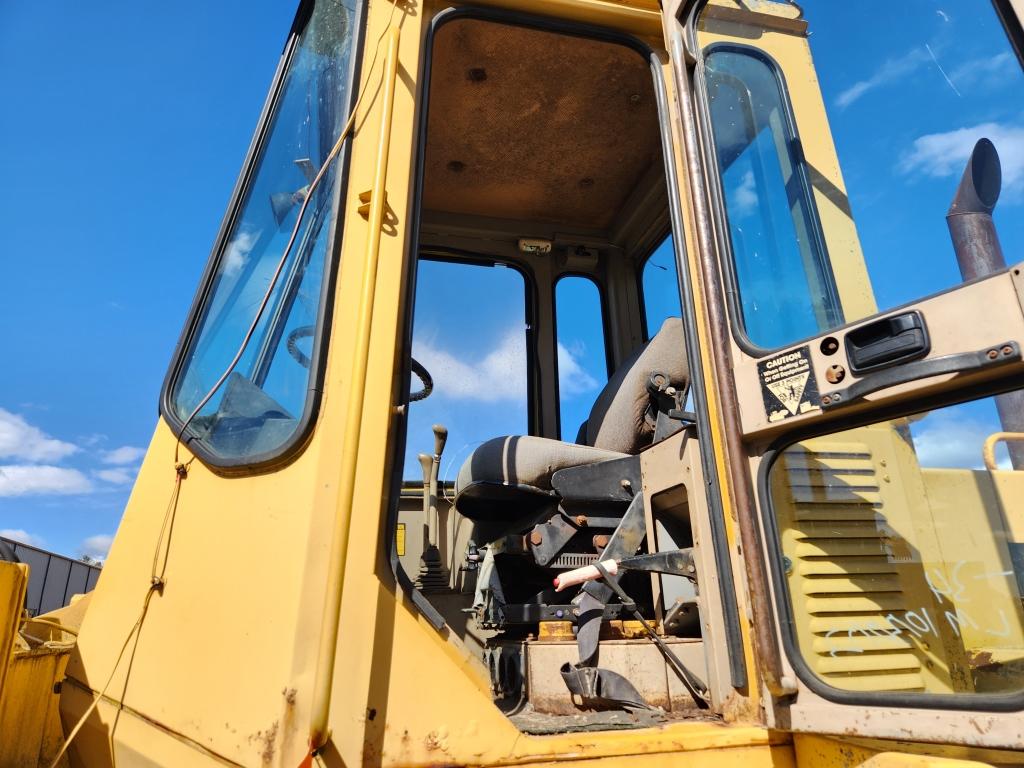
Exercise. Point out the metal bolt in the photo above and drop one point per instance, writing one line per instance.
(835, 374)
(992, 354)
(826, 400)
(625, 483)
(691, 569)
(1007, 350)
(581, 520)
(536, 538)
(787, 565)
(600, 541)
(559, 613)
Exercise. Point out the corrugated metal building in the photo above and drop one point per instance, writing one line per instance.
(53, 578)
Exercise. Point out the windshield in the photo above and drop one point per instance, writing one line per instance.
(259, 408)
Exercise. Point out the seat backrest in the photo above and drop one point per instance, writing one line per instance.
(618, 420)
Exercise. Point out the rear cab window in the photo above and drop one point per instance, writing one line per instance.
(582, 352)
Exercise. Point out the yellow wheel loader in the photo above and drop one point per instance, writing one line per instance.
(590, 382)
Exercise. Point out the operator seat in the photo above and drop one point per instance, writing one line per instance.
(507, 477)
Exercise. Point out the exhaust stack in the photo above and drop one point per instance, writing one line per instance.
(979, 254)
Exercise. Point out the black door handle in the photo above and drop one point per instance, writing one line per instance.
(885, 342)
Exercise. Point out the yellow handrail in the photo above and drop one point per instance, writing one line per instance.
(353, 421)
(988, 451)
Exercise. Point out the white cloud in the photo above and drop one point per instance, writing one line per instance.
(744, 198)
(115, 476)
(941, 155)
(97, 546)
(23, 536)
(890, 71)
(572, 378)
(38, 480)
(20, 440)
(951, 440)
(126, 454)
(237, 253)
(91, 441)
(993, 71)
(500, 375)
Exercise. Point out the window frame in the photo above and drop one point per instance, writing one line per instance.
(292, 447)
(605, 328)
(719, 209)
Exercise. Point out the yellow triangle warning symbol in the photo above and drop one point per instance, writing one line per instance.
(790, 391)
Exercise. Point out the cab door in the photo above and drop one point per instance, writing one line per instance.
(855, 175)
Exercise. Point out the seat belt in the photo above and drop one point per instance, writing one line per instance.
(598, 687)
(601, 687)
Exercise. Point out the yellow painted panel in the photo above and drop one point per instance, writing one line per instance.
(855, 582)
(29, 721)
(13, 583)
(823, 752)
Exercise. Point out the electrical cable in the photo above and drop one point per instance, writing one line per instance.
(156, 584)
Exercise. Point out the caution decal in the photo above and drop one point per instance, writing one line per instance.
(788, 386)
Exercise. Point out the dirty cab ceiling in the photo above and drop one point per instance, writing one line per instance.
(536, 126)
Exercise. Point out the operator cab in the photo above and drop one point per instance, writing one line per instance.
(545, 245)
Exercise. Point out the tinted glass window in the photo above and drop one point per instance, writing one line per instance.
(785, 287)
(470, 333)
(259, 407)
(660, 285)
(582, 359)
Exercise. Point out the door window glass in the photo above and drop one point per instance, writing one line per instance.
(582, 359)
(659, 283)
(781, 271)
(260, 406)
(902, 548)
(470, 331)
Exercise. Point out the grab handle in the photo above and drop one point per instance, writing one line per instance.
(1000, 354)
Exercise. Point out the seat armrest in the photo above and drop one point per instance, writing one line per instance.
(616, 480)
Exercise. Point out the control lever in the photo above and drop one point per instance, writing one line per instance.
(966, 362)
(433, 575)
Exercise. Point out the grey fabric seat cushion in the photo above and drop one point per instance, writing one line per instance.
(525, 461)
(507, 477)
(617, 421)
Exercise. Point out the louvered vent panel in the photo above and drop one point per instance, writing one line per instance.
(846, 569)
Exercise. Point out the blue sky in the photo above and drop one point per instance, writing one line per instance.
(123, 130)
(126, 124)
